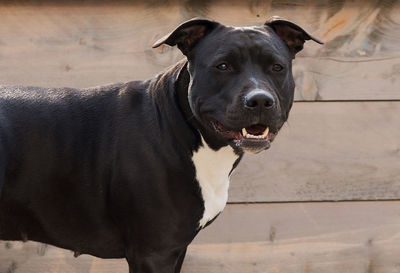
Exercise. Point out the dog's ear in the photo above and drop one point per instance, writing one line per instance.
(293, 35)
(186, 35)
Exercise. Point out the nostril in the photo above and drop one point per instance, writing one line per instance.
(270, 102)
(251, 103)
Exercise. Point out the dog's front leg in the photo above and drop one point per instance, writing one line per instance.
(165, 262)
(180, 260)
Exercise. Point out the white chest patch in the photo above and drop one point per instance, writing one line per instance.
(212, 173)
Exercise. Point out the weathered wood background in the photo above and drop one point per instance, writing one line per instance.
(326, 196)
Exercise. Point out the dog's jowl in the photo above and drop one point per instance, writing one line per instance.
(135, 170)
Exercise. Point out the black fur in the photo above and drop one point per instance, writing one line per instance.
(108, 171)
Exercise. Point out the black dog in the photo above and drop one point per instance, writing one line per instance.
(135, 170)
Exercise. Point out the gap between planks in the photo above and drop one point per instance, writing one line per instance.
(310, 201)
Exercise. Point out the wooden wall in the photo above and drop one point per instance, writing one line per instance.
(324, 198)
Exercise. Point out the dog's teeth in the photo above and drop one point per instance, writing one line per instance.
(248, 135)
(265, 134)
(252, 136)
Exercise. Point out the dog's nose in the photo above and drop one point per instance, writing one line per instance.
(259, 99)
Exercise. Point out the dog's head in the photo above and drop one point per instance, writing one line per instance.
(241, 85)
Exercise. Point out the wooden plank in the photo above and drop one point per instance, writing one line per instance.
(381, 257)
(344, 79)
(327, 222)
(327, 151)
(82, 45)
(326, 237)
(355, 237)
(293, 258)
(92, 44)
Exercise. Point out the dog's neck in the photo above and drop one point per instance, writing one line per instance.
(214, 160)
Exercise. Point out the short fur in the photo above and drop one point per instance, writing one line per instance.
(113, 171)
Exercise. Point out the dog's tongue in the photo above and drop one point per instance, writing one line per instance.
(256, 130)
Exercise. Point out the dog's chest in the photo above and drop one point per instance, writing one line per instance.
(212, 173)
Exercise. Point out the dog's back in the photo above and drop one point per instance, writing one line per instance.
(54, 125)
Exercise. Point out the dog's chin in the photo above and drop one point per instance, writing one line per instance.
(250, 145)
(251, 139)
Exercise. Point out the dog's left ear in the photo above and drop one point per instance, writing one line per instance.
(188, 34)
(293, 35)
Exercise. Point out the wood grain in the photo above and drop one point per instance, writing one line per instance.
(327, 151)
(81, 45)
(353, 237)
(381, 257)
(294, 258)
(328, 222)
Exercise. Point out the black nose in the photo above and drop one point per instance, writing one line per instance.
(259, 99)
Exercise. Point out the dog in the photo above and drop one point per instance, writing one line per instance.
(135, 170)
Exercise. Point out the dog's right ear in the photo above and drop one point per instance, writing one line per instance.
(293, 35)
(188, 34)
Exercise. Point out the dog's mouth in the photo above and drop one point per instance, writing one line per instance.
(253, 138)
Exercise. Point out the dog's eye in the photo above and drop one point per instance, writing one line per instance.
(277, 67)
(222, 66)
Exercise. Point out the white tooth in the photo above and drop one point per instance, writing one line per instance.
(265, 132)
(248, 135)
